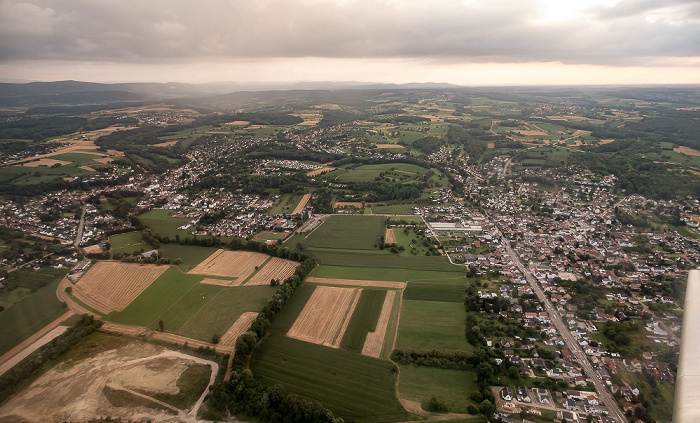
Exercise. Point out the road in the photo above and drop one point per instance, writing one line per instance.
(569, 340)
(79, 235)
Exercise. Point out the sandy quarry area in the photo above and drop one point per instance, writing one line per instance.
(74, 390)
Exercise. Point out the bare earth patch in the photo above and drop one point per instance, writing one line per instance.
(375, 340)
(529, 133)
(390, 236)
(45, 162)
(389, 146)
(300, 207)
(356, 282)
(165, 144)
(238, 328)
(232, 264)
(491, 145)
(88, 168)
(608, 141)
(687, 150)
(325, 316)
(320, 171)
(111, 286)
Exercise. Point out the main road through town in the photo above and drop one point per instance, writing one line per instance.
(569, 339)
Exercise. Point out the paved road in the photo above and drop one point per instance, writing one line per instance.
(79, 235)
(569, 340)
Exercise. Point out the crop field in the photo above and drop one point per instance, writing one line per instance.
(111, 286)
(275, 268)
(221, 282)
(386, 274)
(401, 209)
(452, 386)
(326, 316)
(300, 207)
(230, 264)
(190, 255)
(353, 386)
(428, 291)
(374, 342)
(364, 319)
(238, 328)
(389, 237)
(367, 173)
(384, 258)
(355, 282)
(24, 318)
(432, 324)
(351, 232)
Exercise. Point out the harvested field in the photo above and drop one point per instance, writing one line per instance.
(237, 329)
(390, 237)
(88, 168)
(104, 160)
(165, 144)
(45, 162)
(529, 133)
(375, 340)
(320, 171)
(302, 204)
(326, 316)
(687, 150)
(230, 264)
(276, 268)
(346, 204)
(389, 146)
(580, 132)
(356, 282)
(608, 141)
(111, 286)
(238, 122)
(221, 282)
(491, 145)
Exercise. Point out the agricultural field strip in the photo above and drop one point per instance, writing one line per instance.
(325, 316)
(238, 264)
(375, 340)
(221, 282)
(276, 268)
(302, 204)
(111, 286)
(241, 325)
(354, 282)
(390, 237)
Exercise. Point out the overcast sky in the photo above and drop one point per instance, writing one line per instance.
(466, 42)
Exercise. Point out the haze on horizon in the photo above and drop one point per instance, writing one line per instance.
(465, 42)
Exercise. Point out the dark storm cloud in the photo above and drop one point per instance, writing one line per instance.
(449, 30)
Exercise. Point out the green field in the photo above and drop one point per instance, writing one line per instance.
(127, 243)
(285, 204)
(428, 291)
(189, 254)
(78, 158)
(401, 209)
(24, 175)
(432, 324)
(23, 319)
(451, 386)
(353, 386)
(162, 222)
(382, 259)
(386, 274)
(398, 171)
(364, 319)
(352, 232)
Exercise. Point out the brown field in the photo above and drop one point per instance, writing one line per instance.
(310, 119)
(491, 145)
(165, 144)
(230, 264)
(375, 340)
(345, 204)
(238, 328)
(45, 162)
(111, 286)
(608, 141)
(276, 268)
(687, 150)
(389, 146)
(389, 236)
(580, 132)
(302, 204)
(356, 282)
(221, 282)
(320, 171)
(104, 160)
(88, 168)
(238, 122)
(530, 133)
(326, 316)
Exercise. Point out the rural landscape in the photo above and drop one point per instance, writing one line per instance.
(375, 254)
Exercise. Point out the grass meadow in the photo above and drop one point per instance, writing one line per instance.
(351, 232)
(386, 274)
(432, 324)
(451, 386)
(162, 222)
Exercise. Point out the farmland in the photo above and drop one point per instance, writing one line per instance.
(351, 232)
(364, 319)
(164, 223)
(276, 268)
(326, 315)
(452, 386)
(353, 386)
(127, 243)
(432, 324)
(111, 286)
(386, 274)
(234, 264)
(189, 255)
(367, 173)
(376, 338)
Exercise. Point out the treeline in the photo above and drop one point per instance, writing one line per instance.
(247, 395)
(37, 129)
(385, 191)
(441, 359)
(28, 367)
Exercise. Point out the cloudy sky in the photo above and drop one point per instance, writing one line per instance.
(466, 42)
